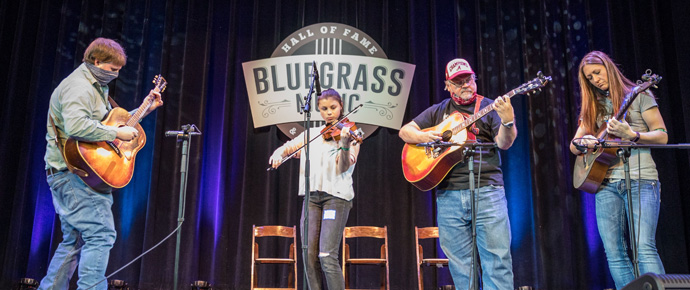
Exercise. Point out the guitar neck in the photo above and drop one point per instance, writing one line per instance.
(602, 134)
(145, 105)
(474, 118)
(633, 94)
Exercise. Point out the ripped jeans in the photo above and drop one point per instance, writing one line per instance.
(327, 218)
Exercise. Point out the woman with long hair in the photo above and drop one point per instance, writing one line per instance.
(603, 89)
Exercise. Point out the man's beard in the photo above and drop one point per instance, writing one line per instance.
(466, 97)
(466, 94)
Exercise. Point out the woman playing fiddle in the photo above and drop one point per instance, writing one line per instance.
(332, 162)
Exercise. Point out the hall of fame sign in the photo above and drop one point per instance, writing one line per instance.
(348, 60)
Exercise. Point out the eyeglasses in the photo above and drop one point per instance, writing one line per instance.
(462, 82)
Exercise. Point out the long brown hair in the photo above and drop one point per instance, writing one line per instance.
(619, 86)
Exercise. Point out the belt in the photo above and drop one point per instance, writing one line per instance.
(50, 171)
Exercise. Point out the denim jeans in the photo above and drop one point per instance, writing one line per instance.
(612, 213)
(327, 218)
(493, 235)
(88, 233)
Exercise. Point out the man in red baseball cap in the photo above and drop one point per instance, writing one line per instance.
(453, 195)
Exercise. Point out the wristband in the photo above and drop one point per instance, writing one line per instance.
(345, 149)
(637, 137)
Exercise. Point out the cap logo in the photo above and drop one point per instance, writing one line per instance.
(457, 66)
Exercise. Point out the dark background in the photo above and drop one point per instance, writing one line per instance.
(199, 47)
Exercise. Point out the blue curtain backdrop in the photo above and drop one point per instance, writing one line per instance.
(199, 47)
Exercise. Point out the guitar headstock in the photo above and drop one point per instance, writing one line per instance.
(160, 83)
(535, 84)
(652, 79)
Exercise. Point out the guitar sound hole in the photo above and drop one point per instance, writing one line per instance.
(447, 135)
(117, 150)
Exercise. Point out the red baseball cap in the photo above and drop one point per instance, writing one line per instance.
(458, 67)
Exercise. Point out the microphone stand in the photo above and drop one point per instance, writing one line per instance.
(470, 148)
(624, 152)
(184, 136)
(305, 226)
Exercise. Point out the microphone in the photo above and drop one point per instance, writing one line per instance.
(428, 144)
(185, 130)
(579, 147)
(178, 133)
(436, 144)
(316, 80)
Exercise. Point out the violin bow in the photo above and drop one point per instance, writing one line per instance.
(270, 168)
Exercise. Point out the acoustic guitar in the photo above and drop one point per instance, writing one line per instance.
(591, 167)
(425, 168)
(104, 165)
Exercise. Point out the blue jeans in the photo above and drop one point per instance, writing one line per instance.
(327, 218)
(88, 233)
(612, 212)
(493, 235)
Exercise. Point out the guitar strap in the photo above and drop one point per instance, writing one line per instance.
(61, 146)
(113, 104)
(473, 130)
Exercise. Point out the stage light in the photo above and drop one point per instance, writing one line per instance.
(201, 285)
(27, 284)
(117, 285)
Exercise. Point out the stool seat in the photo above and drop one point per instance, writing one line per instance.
(274, 261)
(435, 261)
(367, 261)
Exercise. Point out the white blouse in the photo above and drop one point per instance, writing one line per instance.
(323, 168)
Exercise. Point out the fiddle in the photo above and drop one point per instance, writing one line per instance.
(333, 132)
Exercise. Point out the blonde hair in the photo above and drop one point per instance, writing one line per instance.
(105, 50)
(619, 86)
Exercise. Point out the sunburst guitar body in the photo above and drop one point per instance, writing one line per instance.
(425, 167)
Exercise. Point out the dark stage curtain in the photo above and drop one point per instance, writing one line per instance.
(199, 47)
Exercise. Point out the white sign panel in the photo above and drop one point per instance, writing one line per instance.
(277, 87)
